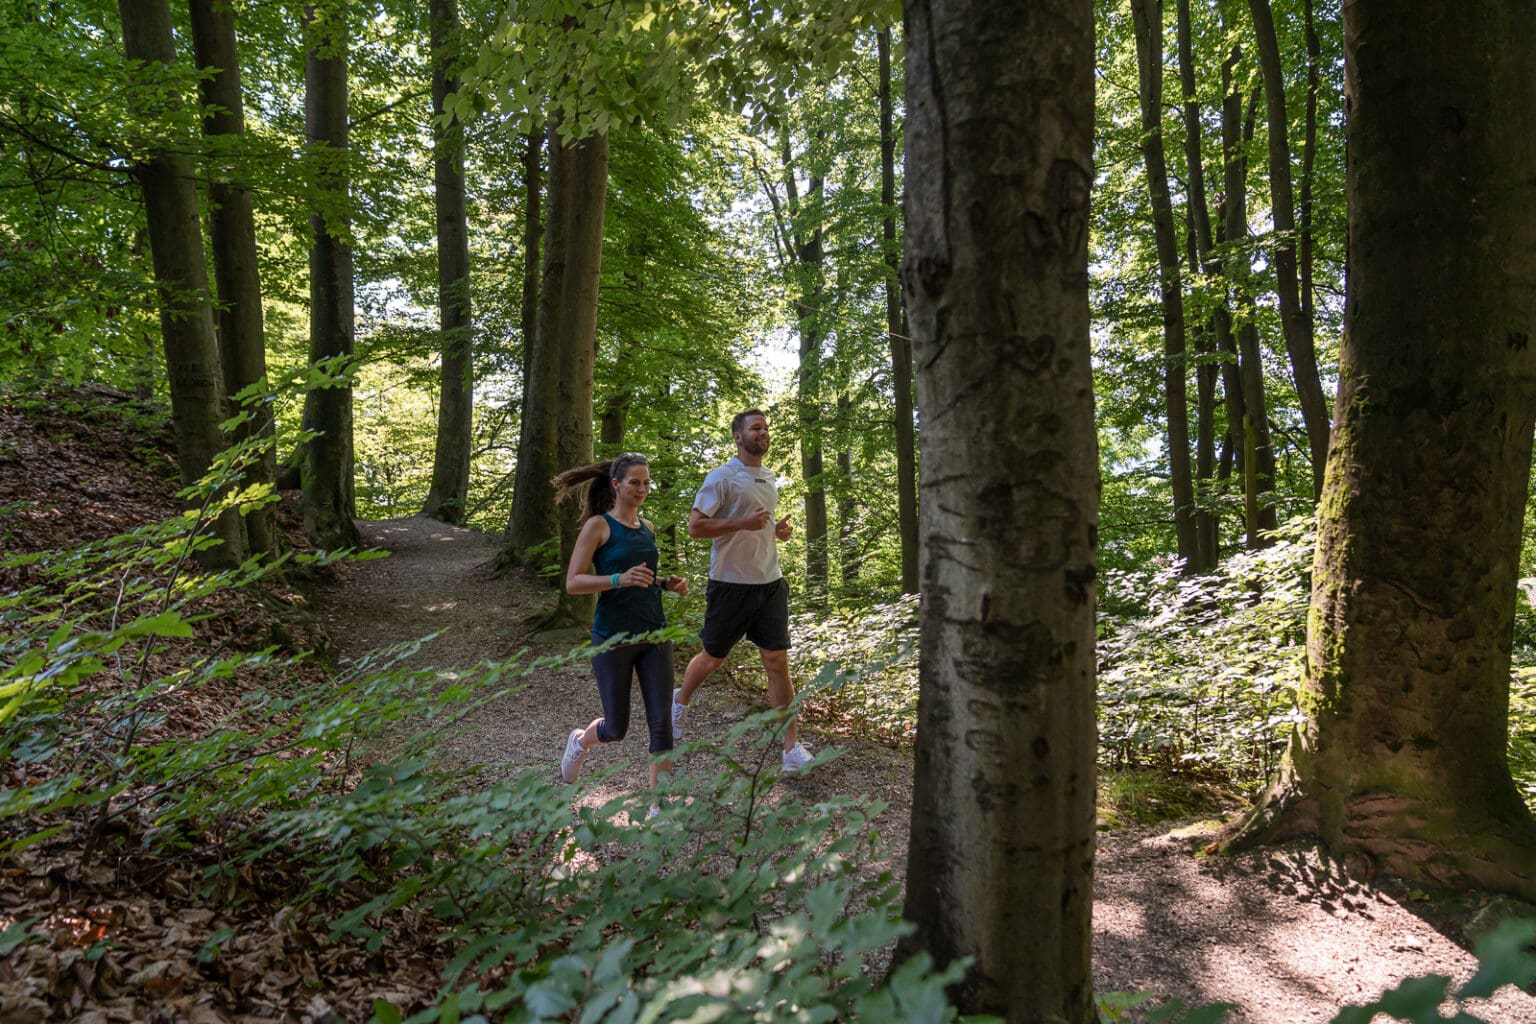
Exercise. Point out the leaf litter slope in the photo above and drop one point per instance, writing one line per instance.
(1284, 934)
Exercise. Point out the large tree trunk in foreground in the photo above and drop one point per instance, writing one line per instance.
(449, 491)
(897, 332)
(232, 229)
(186, 313)
(533, 524)
(999, 164)
(1402, 759)
(327, 502)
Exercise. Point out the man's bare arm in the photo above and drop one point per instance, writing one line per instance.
(708, 527)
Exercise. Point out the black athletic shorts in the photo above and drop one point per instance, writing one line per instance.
(757, 611)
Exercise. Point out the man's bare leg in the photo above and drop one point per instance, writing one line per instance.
(781, 691)
(700, 668)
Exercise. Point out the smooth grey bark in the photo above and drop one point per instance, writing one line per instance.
(1402, 759)
(1147, 15)
(181, 277)
(578, 338)
(232, 231)
(999, 168)
(327, 503)
(1295, 322)
(533, 525)
(896, 331)
(449, 491)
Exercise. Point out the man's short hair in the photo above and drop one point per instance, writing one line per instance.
(741, 417)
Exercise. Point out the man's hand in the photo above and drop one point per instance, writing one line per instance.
(756, 519)
(782, 529)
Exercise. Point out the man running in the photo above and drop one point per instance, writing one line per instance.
(747, 595)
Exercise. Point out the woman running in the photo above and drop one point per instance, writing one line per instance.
(620, 549)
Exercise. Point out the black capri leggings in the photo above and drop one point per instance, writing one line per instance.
(614, 670)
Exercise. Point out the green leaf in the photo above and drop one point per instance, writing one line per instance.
(168, 623)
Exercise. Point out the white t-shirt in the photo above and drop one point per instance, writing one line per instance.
(731, 491)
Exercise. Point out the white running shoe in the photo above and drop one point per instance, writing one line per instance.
(795, 760)
(679, 713)
(575, 753)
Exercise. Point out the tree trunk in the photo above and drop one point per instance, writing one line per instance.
(578, 337)
(847, 507)
(615, 415)
(807, 267)
(237, 279)
(533, 525)
(1296, 325)
(533, 232)
(999, 167)
(1210, 337)
(1251, 428)
(181, 276)
(449, 492)
(327, 502)
(896, 331)
(1149, 51)
(1308, 161)
(1402, 758)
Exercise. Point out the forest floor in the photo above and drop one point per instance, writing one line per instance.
(1284, 934)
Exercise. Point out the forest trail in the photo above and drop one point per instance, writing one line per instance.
(1282, 934)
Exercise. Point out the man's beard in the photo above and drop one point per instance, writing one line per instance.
(755, 448)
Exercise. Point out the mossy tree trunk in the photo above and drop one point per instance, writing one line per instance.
(1402, 759)
(999, 166)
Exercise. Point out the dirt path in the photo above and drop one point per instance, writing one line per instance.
(1281, 934)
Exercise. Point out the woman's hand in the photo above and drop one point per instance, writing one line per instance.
(637, 576)
(677, 585)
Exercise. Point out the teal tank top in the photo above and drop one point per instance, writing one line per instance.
(628, 609)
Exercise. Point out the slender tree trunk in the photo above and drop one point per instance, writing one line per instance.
(242, 340)
(896, 331)
(808, 267)
(847, 508)
(1308, 162)
(533, 233)
(1203, 263)
(449, 492)
(999, 167)
(533, 525)
(327, 503)
(615, 414)
(1149, 50)
(578, 337)
(1296, 325)
(186, 312)
(1402, 760)
(1252, 428)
